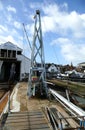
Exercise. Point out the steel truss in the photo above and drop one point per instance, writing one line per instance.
(37, 76)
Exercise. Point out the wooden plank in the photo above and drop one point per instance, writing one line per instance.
(25, 113)
(25, 119)
(34, 120)
(72, 122)
(77, 88)
(28, 125)
(24, 128)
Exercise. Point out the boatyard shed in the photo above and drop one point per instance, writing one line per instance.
(12, 59)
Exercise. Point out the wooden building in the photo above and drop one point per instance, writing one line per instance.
(11, 54)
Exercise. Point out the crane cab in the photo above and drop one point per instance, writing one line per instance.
(34, 79)
(35, 76)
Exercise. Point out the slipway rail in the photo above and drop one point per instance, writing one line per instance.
(3, 103)
(73, 109)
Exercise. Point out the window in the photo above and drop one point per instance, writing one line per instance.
(19, 52)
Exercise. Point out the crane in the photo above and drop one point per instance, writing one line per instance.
(37, 76)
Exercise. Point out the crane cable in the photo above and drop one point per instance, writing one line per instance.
(27, 37)
(25, 34)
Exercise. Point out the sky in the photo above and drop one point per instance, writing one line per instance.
(63, 27)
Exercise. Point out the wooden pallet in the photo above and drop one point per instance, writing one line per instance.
(33, 120)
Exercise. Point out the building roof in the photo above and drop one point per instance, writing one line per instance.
(52, 68)
(10, 46)
(82, 64)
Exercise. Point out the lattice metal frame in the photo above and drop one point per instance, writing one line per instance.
(37, 54)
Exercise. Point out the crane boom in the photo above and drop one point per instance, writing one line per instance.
(27, 36)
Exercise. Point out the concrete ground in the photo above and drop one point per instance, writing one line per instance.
(21, 102)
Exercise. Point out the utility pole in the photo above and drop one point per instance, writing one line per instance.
(37, 75)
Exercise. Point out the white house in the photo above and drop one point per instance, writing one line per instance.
(12, 54)
(52, 69)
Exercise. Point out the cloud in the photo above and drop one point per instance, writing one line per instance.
(71, 51)
(36, 5)
(7, 38)
(12, 9)
(9, 18)
(61, 41)
(10, 38)
(64, 6)
(62, 22)
(3, 29)
(1, 6)
(10, 34)
(17, 24)
(57, 19)
(69, 27)
(66, 28)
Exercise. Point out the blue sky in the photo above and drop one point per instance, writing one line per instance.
(63, 27)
